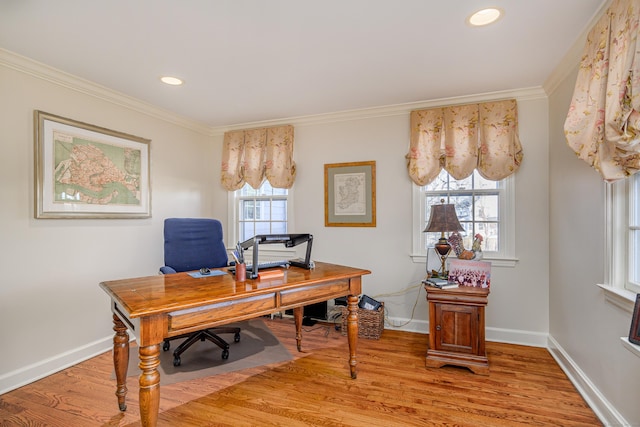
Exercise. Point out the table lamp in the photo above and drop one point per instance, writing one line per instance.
(443, 219)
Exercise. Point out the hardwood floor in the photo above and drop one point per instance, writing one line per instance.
(525, 387)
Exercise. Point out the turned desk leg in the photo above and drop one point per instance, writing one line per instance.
(352, 332)
(149, 384)
(297, 318)
(120, 360)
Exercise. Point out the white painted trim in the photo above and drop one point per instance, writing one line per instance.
(596, 400)
(508, 336)
(515, 336)
(572, 58)
(606, 412)
(504, 258)
(41, 369)
(495, 262)
(55, 76)
(619, 297)
(233, 228)
(524, 94)
(407, 325)
(69, 81)
(633, 348)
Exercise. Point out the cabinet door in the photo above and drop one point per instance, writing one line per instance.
(457, 328)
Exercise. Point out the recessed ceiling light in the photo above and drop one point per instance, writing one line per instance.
(485, 17)
(173, 81)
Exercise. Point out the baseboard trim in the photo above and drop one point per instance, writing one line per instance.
(509, 336)
(596, 401)
(36, 371)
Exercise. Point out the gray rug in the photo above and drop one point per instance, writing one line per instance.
(257, 347)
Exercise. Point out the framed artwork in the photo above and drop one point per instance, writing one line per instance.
(476, 274)
(634, 332)
(85, 171)
(350, 194)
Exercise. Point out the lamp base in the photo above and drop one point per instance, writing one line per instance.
(443, 248)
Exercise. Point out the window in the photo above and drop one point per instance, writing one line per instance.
(259, 211)
(482, 206)
(623, 228)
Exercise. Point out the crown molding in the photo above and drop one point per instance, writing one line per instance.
(52, 75)
(55, 76)
(572, 58)
(390, 110)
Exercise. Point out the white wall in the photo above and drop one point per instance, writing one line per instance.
(52, 310)
(386, 249)
(585, 328)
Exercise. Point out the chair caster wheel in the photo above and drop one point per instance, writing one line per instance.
(166, 345)
(236, 338)
(176, 361)
(225, 354)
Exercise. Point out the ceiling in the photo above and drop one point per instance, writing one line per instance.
(247, 61)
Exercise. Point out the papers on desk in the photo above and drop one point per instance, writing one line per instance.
(198, 275)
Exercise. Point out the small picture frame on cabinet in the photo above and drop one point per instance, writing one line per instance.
(634, 332)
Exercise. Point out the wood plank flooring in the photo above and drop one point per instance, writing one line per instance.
(525, 387)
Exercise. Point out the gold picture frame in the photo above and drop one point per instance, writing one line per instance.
(350, 194)
(86, 171)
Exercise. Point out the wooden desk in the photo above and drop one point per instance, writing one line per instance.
(162, 306)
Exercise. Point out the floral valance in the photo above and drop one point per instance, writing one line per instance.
(463, 138)
(250, 156)
(603, 123)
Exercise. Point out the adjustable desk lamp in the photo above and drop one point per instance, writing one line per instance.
(289, 241)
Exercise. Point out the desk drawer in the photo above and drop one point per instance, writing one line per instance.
(319, 292)
(218, 313)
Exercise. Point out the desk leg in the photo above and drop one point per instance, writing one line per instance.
(352, 332)
(297, 318)
(120, 360)
(149, 385)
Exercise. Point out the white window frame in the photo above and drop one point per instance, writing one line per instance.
(270, 252)
(619, 250)
(503, 258)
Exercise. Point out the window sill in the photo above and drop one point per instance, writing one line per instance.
(635, 349)
(495, 261)
(621, 298)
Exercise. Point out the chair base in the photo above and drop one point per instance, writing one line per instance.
(208, 334)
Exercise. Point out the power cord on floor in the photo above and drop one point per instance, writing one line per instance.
(398, 293)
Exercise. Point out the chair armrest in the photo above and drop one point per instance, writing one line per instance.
(167, 270)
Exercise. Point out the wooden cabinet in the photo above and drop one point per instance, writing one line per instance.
(456, 328)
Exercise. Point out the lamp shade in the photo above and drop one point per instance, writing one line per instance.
(443, 219)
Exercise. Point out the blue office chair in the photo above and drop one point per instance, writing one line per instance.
(191, 244)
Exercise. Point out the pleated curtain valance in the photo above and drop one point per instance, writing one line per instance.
(603, 123)
(250, 156)
(463, 138)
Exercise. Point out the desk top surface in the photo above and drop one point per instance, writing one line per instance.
(165, 293)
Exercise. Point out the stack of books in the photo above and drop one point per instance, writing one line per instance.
(436, 282)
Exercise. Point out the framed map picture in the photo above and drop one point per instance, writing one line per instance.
(350, 194)
(85, 171)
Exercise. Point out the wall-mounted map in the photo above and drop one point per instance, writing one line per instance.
(93, 172)
(85, 171)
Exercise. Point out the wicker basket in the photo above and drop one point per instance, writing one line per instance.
(370, 322)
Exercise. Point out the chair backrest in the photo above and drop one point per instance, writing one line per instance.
(193, 243)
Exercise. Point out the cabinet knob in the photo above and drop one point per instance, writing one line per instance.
(437, 327)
